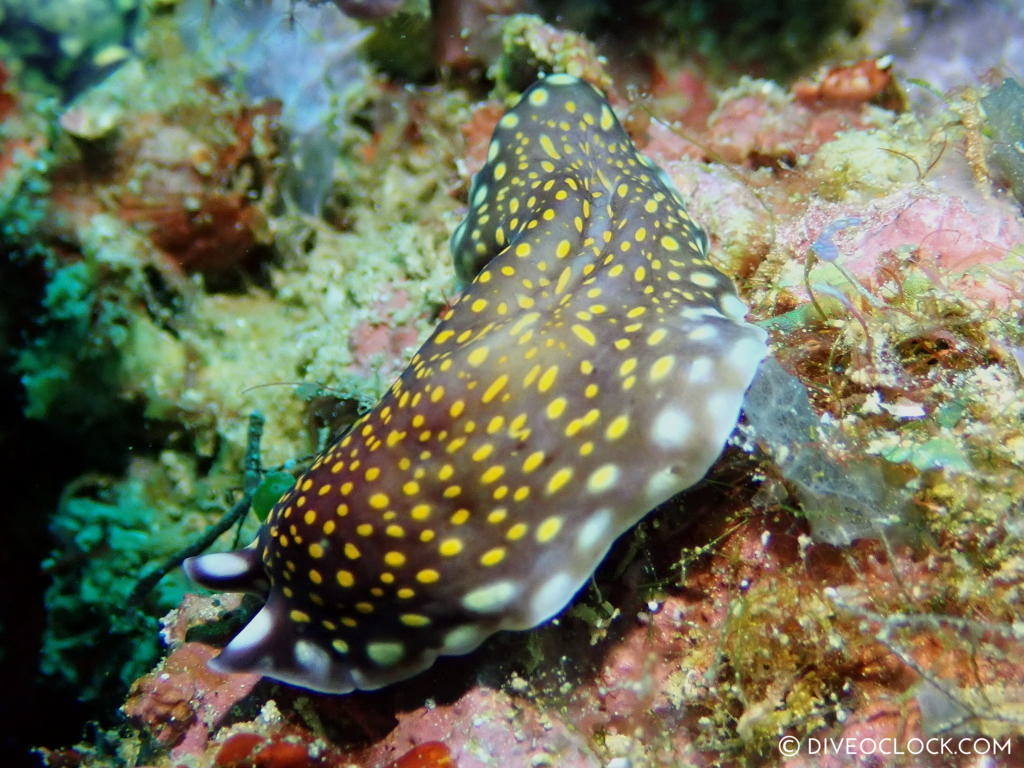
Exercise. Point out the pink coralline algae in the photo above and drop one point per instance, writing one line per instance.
(183, 701)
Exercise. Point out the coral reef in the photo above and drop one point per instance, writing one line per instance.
(851, 568)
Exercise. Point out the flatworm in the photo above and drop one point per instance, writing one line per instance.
(593, 367)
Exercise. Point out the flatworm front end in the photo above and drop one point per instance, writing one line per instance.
(593, 367)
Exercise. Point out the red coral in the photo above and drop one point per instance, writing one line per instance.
(433, 754)
(235, 752)
(283, 754)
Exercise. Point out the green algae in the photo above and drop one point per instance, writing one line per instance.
(108, 536)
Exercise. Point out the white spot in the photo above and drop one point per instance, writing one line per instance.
(594, 531)
(700, 370)
(254, 633)
(552, 597)
(490, 597)
(386, 653)
(222, 565)
(492, 149)
(745, 353)
(312, 658)
(462, 640)
(702, 333)
(720, 404)
(733, 307)
(672, 428)
(662, 485)
(480, 195)
(561, 79)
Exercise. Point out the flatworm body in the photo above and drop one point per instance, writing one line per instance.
(593, 367)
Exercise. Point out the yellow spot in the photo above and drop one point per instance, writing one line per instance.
(510, 120)
(379, 500)
(427, 576)
(457, 408)
(562, 249)
(478, 355)
(329, 527)
(479, 305)
(483, 452)
(372, 474)
(351, 551)
(495, 424)
(547, 530)
(556, 407)
(499, 171)
(496, 516)
(405, 593)
(539, 97)
(414, 620)
(345, 578)
(316, 551)
(459, 517)
(584, 334)
(607, 118)
(657, 336)
(669, 243)
(492, 556)
(427, 535)
(420, 512)
(639, 274)
(299, 616)
(517, 531)
(523, 250)
(559, 480)
(309, 517)
(410, 488)
(602, 478)
(339, 645)
(495, 388)
(549, 147)
(533, 461)
(445, 472)
(521, 493)
(661, 367)
(364, 607)
(394, 559)
(395, 531)
(492, 474)
(437, 394)
(452, 491)
(364, 529)
(315, 577)
(547, 379)
(563, 280)
(450, 547)
(628, 366)
(617, 428)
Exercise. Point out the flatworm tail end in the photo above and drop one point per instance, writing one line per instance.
(239, 571)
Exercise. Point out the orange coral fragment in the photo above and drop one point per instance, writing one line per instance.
(432, 754)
